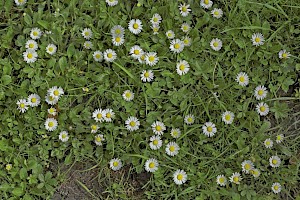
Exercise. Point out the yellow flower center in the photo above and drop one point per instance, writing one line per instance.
(152, 165)
(260, 92)
(118, 39)
(94, 127)
(247, 166)
(179, 177)
(155, 19)
(151, 58)
(86, 33)
(278, 137)
(257, 39)
(236, 179)
(135, 26)
(136, 52)
(268, 143)
(22, 105)
(215, 44)
(51, 110)
(29, 55)
(227, 117)
(158, 128)
(184, 9)
(255, 172)
(98, 56)
(51, 98)
(222, 180)
(98, 139)
(242, 79)
(146, 74)
(186, 41)
(56, 92)
(276, 187)
(64, 136)
(216, 13)
(50, 49)
(109, 55)
(108, 115)
(31, 45)
(176, 46)
(132, 123)
(35, 33)
(155, 142)
(99, 115)
(155, 29)
(206, 2)
(169, 34)
(181, 67)
(8, 167)
(128, 95)
(262, 108)
(185, 28)
(21, 1)
(172, 148)
(33, 100)
(50, 124)
(142, 57)
(118, 31)
(274, 161)
(209, 129)
(115, 164)
(175, 133)
(284, 55)
(190, 119)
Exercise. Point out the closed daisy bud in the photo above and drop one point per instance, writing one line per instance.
(30, 56)
(242, 78)
(87, 33)
(236, 178)
(274, 161)
(115, 164)
(147, 75)
(175, 133)
(262, 109)
(221, 180)
(206, 3)
(209, 129)
(98, 56)
(151, 165)
(179, 177)
(170, 34)
(128, 95)
(257, 39)
(151, 58)
(111, 2)
(109, 55)
(31, 45)
(276, 187)
(34, 100)
(158, 128)
(99, 139)
(216, 44)
(247, 165)
(182, 67)
(132, 124)
(217, 13)
(35, 33)
(184, 9)
(22, 105)
(279, 138)
(172, 149)
(268, 143)
(155, 142)
(227, 117)
(189, 119)
(98, 115)
(260, 92)
(135, 26)
(108, 115)
(283, 54)
(176, 46)
(51, 124)
(64, 136)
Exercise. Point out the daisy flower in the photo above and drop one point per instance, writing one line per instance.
(51, 49)
(30, 56)
(242, 78)
(179, 177)
(111, 2)
(22, 105)
(64, 136)
(51, 100)
(216, 44)
(236, 178)
(117, 30)
(141, 59)
(135, 26)
(255, 173)
(268, 143)
(94, 128)
(262, 109)
(182, 67)
(279, 138)
(170, 34)
(109, 55)
(51, 124)
(276, 187)
(55, 92)
(172, 149)
(98, 56)
(258, 39)
(8, 167)
(98, 115)
(274, 161)
(87, 33)
(136, 51)
(155, 28)
(283, 54)
(151, 165)
(185, 27)
(217, 13)
(156, 19)
(155, 142)
(132, 124)
(175, 133)
(189, 119)
(247, 165)
(176, 46)
(87, 45)
(35, 33)
(52, 111)
(33, 100)
(31, 45)
(227, 117)
(108, 115)
(115, 164)
(206, 3)
(260, 92)
(158, 128)
(151, 58)
(184, 9)
(128, 95)
(147, 76)
(209, 129)
(187, 41)
(99, 139)
(221, 180)
(20, 2)
(118, 40)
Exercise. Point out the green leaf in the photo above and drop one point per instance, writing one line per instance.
(44, 24)
(63, 63)
(18, 192)
(27, 19)
(6, 79)
(280, 109)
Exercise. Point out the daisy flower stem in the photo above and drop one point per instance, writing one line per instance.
(126, 71)
(192, 129)
(139, 156)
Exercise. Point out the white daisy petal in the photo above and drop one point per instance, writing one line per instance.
(155, 142)
(176, 46)
(274, 161)
(283, 54)
(172, 149)
(260, 92)
(242, 78)
(51, 124)
(31, 45)
(236, 178)
(132, 124)
(151, 165)
(221, 180)
(247, 166)
(51, 49)
(22, 105)
(34, 100)
(64, 136)
(209, 129)
(99, 139)
(262, 109)
(135, 26)
(158, 128)
(115, 164)
(227, 117)
(206, 3)
(276, 187)
(179, 177)
(184, 9)
(35, 33)
(216, 44)
(87, 33)
(258, 39)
